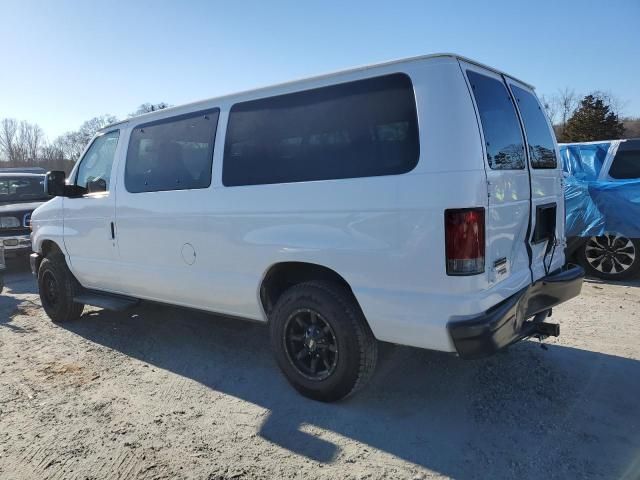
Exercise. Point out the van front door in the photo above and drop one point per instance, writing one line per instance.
(508, 187)
(88, 230)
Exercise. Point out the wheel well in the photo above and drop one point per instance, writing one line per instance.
(282, 276)
(49, 247)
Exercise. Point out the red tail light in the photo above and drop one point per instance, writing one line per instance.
(464, 241)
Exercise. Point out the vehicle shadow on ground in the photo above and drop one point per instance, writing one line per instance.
(17, 276)
(16, 282)
(8, 310)
(528, 413)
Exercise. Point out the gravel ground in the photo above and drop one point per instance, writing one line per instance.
(168, 393)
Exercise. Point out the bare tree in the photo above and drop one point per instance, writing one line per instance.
(631, 127)
(20, 142)
(616, 104)
(73, 143)
(24, 144)
(52, 158)
(550, 104)
(31, 139)
(568, 101)
(8, 140)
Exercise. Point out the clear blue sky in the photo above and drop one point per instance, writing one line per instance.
(65, 61)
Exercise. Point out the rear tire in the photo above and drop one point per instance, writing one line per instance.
(610, 257)
(321, 341)
(58, 287)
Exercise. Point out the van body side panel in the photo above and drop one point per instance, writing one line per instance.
(384, 235)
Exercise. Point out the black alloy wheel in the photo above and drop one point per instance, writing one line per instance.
(311, 344)
(611, 256)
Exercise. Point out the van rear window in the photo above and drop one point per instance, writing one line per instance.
(172, 154)
(541, 148)
(502, 134)
(357, 129)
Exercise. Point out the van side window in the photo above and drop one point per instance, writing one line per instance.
(172, 154)
(502, 134)
(94, 170)
(541, 149)
(357, 129)
(626, 163)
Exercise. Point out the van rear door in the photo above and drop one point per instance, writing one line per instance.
(508, 183)
(547, 238)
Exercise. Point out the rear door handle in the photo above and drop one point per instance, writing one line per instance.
(113, 231)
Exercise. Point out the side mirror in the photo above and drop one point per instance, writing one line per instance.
(54, 183)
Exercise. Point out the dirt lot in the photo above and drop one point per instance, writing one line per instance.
(168, 393)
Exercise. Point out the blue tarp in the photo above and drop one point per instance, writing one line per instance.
(594, 206)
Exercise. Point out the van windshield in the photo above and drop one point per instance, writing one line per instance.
(22, 189)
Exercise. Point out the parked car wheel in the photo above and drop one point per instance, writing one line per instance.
(321, 341)
(58, 287)
(611, 256)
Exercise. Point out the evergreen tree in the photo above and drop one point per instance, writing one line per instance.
(593, 120)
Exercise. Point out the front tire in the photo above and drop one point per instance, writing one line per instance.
(322, 342)
(58, 287)
(611, 256)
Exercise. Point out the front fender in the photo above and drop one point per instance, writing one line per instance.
(47, 224)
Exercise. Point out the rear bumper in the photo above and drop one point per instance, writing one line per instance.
(507, 322)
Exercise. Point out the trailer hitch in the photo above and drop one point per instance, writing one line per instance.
(541, 329)
(546, 329)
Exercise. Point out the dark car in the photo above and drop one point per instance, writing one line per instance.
(20, 195)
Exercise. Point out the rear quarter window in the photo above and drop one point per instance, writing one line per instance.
(364, 128)
(500, 125)
(626, 163)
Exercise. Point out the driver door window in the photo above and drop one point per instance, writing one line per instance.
(94, 171)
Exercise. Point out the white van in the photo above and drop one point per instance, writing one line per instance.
(418, 202)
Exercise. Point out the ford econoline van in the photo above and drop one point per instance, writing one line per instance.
(418, 202)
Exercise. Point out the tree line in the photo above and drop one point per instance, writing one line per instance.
(594, 116)
(24, 144)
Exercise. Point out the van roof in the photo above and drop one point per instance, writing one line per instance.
(164, 111)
